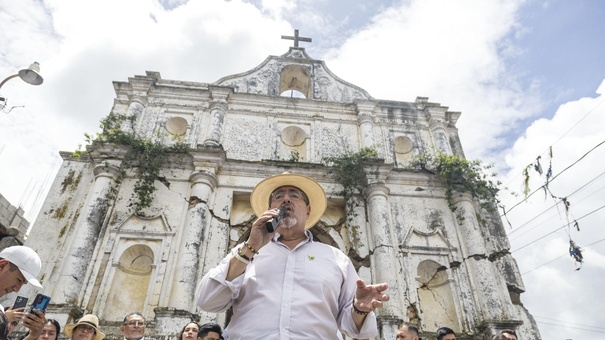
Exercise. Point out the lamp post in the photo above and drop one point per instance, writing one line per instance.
(30, 75)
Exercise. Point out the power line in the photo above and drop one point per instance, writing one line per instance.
(563, 135)
(563, 321)
(554, 231)
(552, 179)
(580, 328)
(543, 264)
(549, 218)
(554, 205)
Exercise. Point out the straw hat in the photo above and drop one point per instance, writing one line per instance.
(259, 199)
(88, 320)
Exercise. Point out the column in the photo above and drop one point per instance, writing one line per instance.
(218, 107)
(192, 241)
(366, 123)
(85, 236)
(483, 276)
(135, 110)
(384, 265)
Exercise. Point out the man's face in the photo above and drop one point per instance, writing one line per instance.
(509, 336)
(404, 334)
(212, 336)
(133, 328)
(294, 201)
(10, 280)
(448, 337)
(83, 332)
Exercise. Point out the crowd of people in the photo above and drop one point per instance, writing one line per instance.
(279, 283)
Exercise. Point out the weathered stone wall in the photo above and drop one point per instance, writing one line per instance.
(99, 256)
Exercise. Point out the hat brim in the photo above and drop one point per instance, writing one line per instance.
(31, 279)
(69, 330)
(259, 199)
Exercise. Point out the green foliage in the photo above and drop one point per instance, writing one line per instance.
(147, 155)
(461, 175)
(349, 171)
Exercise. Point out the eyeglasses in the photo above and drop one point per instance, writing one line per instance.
(294, 194)
(85, 328)
(136, 323)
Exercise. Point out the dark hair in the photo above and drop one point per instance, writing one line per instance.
(50, 321)
(443, 331)
(180, 336)
(131, 314)
(209, 327)
(412, 328)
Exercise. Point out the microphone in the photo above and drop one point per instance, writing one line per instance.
(273, 223)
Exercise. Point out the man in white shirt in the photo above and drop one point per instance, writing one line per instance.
(282, 284)
(133, 326)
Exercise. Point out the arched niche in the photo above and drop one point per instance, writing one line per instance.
(295, 78)
(130, 282)
(435, 297)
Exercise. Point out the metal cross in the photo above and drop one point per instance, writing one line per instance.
(296, 38)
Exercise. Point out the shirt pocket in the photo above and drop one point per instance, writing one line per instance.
(324, 271)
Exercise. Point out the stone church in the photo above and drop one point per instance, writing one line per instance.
(291, 112)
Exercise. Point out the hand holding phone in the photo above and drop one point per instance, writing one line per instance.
(20, 302)
(273, 223)
(40, 303)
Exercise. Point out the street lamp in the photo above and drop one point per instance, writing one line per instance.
(30, 75)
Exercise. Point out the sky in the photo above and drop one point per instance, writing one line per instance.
(527, 76)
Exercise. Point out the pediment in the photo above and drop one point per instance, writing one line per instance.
(152, 225)
(420, 239)
(297, 71)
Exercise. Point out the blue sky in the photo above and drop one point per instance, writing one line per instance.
(526, 75)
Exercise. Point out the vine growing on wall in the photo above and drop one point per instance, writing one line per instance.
(349, 171)
(461, 175)
(147, 155)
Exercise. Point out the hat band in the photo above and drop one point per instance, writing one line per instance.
(87, 322)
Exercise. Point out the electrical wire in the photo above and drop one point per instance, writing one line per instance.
(552, 179)
(554, 231)
(543, 264)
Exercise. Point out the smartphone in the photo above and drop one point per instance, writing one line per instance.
(272, 225)
(40, 303)
(20, 302)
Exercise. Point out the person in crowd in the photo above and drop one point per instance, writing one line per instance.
(210, 331)
(9, 237)
(283, 284)
(133, 326)
(407, 331)
(34, 321)
(87, 328)
(445, 333)
(18, 265)
(508, 334)
(189, 332)
(50, 331)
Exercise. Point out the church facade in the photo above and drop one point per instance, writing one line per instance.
(101, 256)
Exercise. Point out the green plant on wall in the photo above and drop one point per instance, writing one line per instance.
(349, 171)
(461, 175)
(147, 155)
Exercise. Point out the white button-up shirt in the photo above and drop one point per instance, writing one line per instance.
(305, 293)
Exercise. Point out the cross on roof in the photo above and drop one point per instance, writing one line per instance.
(296, 38)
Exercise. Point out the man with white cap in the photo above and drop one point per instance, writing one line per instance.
(295, 288)
(18, 265)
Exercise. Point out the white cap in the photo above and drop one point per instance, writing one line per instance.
(26, 260)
